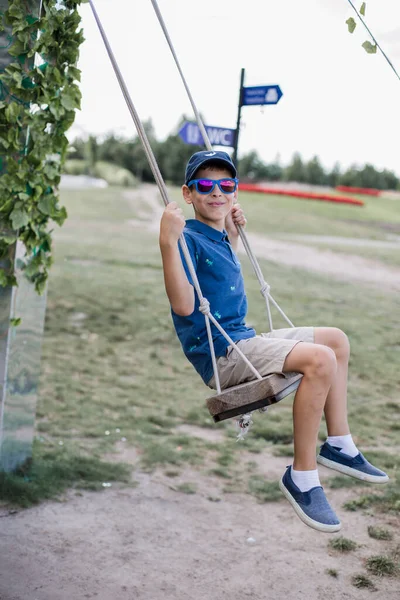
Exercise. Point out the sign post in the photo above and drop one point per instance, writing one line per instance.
(235, 148)
(218, 136)
(259, 95)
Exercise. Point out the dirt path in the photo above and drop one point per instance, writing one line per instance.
(153, 543)
(346, 267)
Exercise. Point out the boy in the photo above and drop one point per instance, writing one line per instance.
(321, 354)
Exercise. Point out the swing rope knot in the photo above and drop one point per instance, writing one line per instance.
(265, 289)
(204, 307)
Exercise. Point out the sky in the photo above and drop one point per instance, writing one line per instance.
(338, 102)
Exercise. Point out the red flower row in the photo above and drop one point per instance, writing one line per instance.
(358, 190)
(251, 187)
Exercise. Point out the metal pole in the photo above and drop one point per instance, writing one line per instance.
(235, 148)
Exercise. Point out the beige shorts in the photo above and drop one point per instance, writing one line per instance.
(267, 352)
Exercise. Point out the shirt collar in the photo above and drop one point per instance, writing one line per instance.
(210, 232)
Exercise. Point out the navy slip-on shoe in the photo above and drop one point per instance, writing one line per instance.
(311, 507)
(357, 466)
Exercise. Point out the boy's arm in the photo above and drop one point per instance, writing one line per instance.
(179, 291)
(236, 217)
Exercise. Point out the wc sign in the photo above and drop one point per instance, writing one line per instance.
(218, 136)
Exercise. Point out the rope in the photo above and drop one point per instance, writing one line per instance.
(204, 304)
(140, 129)
(265, 288)
(196, 112)
(374, 38)
(205, 309)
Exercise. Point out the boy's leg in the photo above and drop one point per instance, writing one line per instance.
(300, 483)
(318, 365)
(336, 403)
(339, 451)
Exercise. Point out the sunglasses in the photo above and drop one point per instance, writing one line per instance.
(206, 186)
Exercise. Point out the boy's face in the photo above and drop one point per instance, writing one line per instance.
(211, 208)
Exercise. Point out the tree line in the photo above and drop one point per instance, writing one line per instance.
(172, 155)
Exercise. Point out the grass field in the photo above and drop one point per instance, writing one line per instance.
(113, 370)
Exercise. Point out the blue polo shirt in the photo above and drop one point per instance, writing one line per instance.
(219, 273)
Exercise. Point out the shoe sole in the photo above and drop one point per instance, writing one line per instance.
(305, 518)
(331, 464)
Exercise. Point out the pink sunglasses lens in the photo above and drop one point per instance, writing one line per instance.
(205, 185)
(227, 186)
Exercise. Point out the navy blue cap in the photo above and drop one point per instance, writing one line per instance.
(199, 159)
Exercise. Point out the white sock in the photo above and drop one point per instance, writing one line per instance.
(344, 442)
(305, 480)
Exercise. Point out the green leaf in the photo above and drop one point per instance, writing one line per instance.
(362, 9)
(51, 170)
(6, 206)
(16, 322)
(351, 24)
(19, 218)
(60, 216)
(15, 11)
(6, 280)
(3, 278)
(17, 48)
(22, 196)
(9, 238)
(17, 78)
(40, 283)
(47, 205)
(368, 47)
(12, 112)
(74, 73)
(57, 110)
(68, 101)
(32, 267)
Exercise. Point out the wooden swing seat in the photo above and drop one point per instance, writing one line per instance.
(246, 397)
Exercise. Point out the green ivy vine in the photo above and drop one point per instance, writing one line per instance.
(37, 107)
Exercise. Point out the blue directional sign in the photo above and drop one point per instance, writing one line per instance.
(218, 136)
(261, 94)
